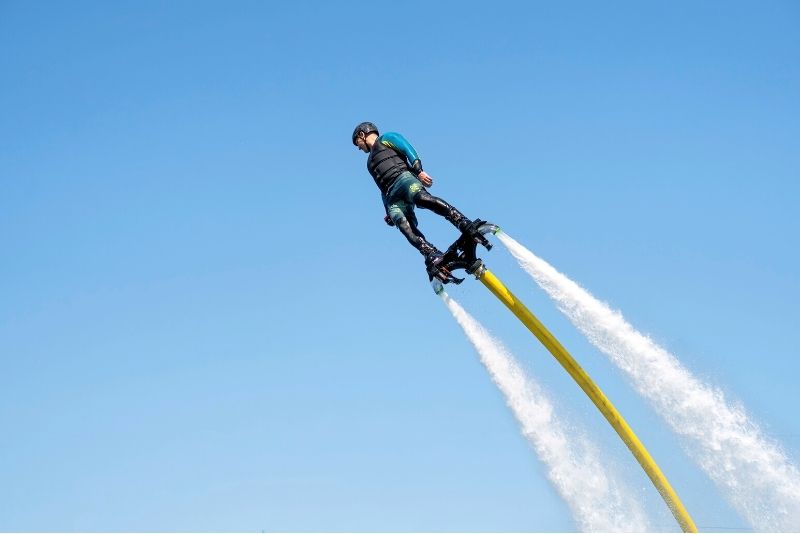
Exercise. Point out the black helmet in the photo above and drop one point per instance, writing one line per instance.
(366, 128)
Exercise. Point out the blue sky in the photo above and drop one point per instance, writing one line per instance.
(205, 324)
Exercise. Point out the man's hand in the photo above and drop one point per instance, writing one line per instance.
(388, 220)
(425, 178)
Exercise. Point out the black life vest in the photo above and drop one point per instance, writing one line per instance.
(385, 164)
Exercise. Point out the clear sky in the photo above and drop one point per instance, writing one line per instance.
(206, 325)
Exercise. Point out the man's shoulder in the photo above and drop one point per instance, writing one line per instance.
(391, 138)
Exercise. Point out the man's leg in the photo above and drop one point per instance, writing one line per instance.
(425, 200)
(409, 190)
(403, 217)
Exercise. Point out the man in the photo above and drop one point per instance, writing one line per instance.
(397, 171)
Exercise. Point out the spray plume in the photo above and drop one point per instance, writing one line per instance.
(597, 500)
(751, 470)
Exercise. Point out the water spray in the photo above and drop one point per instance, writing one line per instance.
(752, 471)
(598, 502)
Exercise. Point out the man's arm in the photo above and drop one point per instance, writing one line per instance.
(401, 145)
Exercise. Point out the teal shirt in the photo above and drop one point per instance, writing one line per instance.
(402, 146)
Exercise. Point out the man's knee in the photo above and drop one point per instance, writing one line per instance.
(397, 217)
(425, 200)
(403, 225)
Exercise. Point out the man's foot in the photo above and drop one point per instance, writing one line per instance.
(465, 226)
(468, 228)
(472, 230)
(433, 261)
(433, 258)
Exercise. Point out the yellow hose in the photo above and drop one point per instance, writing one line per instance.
(595, 394)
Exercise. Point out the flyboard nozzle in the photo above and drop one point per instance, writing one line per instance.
(488, 227)
(438, 286)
